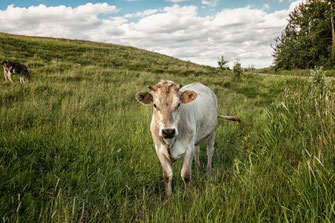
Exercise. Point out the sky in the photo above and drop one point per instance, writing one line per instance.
(199, 31)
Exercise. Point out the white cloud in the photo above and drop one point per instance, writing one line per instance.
(59, 21)
(241, 33)
(205, 2)
(210, 2)
(142, 14)
(295, 4)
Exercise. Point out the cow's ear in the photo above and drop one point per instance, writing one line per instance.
(144, 97)
(188, 96)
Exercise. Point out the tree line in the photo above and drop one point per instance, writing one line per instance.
(308, 40)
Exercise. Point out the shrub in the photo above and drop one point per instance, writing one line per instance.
(223, 63)
(237, 71)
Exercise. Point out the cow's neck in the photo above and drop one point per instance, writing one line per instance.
(169, 142)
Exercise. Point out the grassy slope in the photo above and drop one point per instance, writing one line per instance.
(75, 145)
(301, 72)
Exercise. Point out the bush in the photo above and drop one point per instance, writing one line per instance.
(237, 71)
(223, 63)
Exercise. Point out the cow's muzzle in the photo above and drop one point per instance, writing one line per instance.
(169, 133)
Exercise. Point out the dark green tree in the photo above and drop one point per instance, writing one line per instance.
(306, 41)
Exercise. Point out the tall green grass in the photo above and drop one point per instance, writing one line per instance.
(75, 145)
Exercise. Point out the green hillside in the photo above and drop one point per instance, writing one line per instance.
(75, 145)
(43, 54)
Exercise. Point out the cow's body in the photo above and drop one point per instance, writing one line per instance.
(197, 123)
(183, 118)
(15, 68)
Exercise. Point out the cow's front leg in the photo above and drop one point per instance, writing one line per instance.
(186, 169)
(9, 75)
(167, 172)
(5, 74)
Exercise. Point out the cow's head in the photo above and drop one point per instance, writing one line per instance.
(166, 98)
(6, 65)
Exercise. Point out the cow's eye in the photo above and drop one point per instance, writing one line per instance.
(178, 106)
(156, 106)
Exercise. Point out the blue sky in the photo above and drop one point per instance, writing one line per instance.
(196, 30)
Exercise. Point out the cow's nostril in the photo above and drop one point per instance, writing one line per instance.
(168, 133)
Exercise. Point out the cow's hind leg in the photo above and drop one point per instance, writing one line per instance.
(210, 150)
(196, 156)
(186, 169)
(22, 74)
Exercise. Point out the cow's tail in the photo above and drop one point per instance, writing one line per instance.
(230, 118)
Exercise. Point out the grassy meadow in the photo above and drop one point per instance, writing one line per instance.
(296, 72)
(75, 145)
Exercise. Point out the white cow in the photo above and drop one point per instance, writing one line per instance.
(183, 117)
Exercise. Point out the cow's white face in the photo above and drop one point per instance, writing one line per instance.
(166, 99)
(5, 65)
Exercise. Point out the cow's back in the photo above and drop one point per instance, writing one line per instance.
(203, 109)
